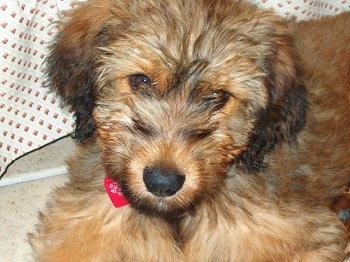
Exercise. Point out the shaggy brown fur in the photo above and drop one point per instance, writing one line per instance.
(198, 108)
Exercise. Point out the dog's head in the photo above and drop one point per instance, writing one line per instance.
(177, 92)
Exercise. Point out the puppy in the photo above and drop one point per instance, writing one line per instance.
(206, 131)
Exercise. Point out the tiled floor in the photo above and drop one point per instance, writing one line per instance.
(20, 202)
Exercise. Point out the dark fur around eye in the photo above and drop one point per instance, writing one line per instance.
(138, 81)
(216, 100)
(144, 129)
(198, 134)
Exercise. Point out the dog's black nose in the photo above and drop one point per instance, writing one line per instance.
(163, 182)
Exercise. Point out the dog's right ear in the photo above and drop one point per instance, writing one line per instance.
(285, 114)
(71, 64)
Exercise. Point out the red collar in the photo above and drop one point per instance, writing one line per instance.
(114, 192)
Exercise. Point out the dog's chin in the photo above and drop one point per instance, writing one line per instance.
(163, 208)
(169, 207)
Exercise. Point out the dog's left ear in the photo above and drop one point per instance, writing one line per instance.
(72, 63)
(285, 113)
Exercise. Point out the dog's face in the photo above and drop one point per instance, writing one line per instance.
(177, 92)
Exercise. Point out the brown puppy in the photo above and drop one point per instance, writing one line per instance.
(197, 109)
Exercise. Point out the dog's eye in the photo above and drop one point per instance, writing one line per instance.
(216, 100)
(143, 128)
(139, 80)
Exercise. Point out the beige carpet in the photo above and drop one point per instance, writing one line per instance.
(21, 201)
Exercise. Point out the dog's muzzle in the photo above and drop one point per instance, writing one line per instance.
(162, 182)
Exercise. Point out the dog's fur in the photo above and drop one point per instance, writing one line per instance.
(214, 92)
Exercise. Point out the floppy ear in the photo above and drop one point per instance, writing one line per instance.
(71, 64)
(285, 113)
